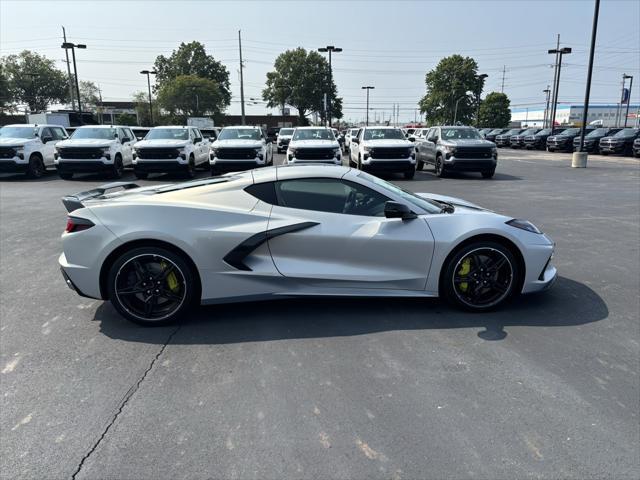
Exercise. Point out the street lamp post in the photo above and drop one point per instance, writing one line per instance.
(630, 77)
(148, 73)
(547, 91)
(455, 111)
(367, 89)
(330, 49)
(554, 106)
(73, 46)
(482, 76)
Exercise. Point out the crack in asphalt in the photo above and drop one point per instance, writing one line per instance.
(134, 388)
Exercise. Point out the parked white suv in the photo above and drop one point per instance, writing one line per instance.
(29, 148)
(170, 149)
(352, 132)
(95, 148)
(284, 137)
(314, 145)
(240, 148)
(383, 149)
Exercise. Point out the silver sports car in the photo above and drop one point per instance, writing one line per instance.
(292, 231)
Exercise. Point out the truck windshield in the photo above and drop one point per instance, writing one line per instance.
(286, 131)
(570, 131)
(18, 132)
(97, 133)
(460, 133)
(313, 134)
(239, 134)
(598, 132)
(168, 134)
(383, 134)
(626, 133)
(545, 131)
(531, 131)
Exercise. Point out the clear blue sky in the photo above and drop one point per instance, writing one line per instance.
(388, 44)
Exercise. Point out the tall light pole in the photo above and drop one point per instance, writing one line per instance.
(547, 91)
(625, 76)
(482, 76)
(73, 46)
(455, 111)
(330, 49)
(559, 52)
(148, 73)
(367, 89)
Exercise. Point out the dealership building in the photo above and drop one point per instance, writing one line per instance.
(571, 114)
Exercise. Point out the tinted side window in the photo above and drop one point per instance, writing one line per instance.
(46, 132)
(58, 133)
(263, 191)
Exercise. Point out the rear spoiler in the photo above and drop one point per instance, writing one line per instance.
(74, 202)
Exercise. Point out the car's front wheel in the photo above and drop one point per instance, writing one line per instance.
(151, 285)
(439, 167)
(36, 168)
(480, 276)
(118, 167)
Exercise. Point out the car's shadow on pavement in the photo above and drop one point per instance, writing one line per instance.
(569, 303)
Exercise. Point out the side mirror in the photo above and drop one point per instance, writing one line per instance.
(196, 140)
(46, 139)
(125, 140)
(412, 139)
(355, 140)
(398, 210)
(435, 140)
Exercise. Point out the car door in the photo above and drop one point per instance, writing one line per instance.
(126, 146)
(266, 146)
(59, 134)
(430, 145)
(419, 138)
(355, 146)
(198, 145)
(332, 233)
(48, 145)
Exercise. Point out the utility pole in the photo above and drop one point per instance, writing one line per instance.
(560, 52)
(101, 107)
(73, 46)
(367, 89)
(504, 70)
(628, 99)
(66, 53)
(547, 91)
(552, 113)
(241, 78)
(148, 73)
(330, 49)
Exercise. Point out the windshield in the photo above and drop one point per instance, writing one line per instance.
(286, 131)
(97, 133)
(460, 133)
(168, 134)
(598, 132)
(497, 131)
(239, 134)
(383, 134)
(626, 133)
(570, 131)
(429, 206)
(18, 132)
(545, 131)
(513, 131)
(531, 131)
(313, 134)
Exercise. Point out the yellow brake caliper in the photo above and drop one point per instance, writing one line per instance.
(465, 268)
(172, 281)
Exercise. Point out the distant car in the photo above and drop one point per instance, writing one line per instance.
(491, 136)
(29, 148)
(284, 137)
(539, 140)
(622, 142)
(383, 149)
(210, 134)
(454, 148)
(517, 141)
(314, 145)
(140, 132)
(240, 148)
(352, 132)
(483, 131)
(296, 231)
(504, 139)
(563, 142)
(272, 134)
(339, 137)
(170, 149)
(592, 140)
(636, 147)
(104, 149)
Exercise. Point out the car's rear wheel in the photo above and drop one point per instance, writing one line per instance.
(151, 285)
(36, 167)
(480, 276)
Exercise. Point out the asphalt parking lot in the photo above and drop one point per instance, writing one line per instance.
(547, 387)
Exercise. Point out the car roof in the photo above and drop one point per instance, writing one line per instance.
(34, 125)
(104, 126)
(288, 172)
(385, 127)
(242, 126)
(312, 128)
(168, 126)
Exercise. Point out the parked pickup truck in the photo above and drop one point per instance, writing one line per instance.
(95, 148)
(563, 142)
(621, 142)
(592, 140)
(517, 141)
(539, 140)
(636, 147)
(456, 148)
(240, 148)
(504, 139)
(383, 149)
(314, 145)
(171, 149)
(284, 137)
(29, 148)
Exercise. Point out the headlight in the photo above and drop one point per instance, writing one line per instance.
(524, 225)
(368, 149)
(450, 149)
(494, 150)
(19, 150)
(105, 150)
(292, 151)
(336, 151)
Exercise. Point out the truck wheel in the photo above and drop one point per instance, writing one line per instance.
(420, 165)
(36, 166)
(190, 173)
(359, 165)
(118, 168)
(439, 167)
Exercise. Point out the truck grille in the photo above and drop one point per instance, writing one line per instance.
(236, 153)
(473, 152)
(7, 152)
(390, 152)
(80, 153)
(314, 153)
(158, 153)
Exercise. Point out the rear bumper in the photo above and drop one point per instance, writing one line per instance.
(82, 166)
(13, 166)
(75, 274)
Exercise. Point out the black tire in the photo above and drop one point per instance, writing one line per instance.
(36, 168)
(419, 165)
(409, 174)
(144, 268)
(359, 165)
(439, 167)
(118, 168)
(65, 175)
(141, 175)
(190, 172)
(460, 281)
(488, 173)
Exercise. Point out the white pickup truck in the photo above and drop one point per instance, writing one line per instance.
(170, 149)
(383, 149)
(240, 148)
(314, 145)
(95, 148)
(29, 148)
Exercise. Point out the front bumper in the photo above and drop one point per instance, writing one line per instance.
(619, 148)
(390, 164)
(556, 146)
(470, 164)
(13, 165)
(83, 166)
(160, 166)
(328, 161)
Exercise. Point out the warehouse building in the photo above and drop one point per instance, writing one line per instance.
(571, 114)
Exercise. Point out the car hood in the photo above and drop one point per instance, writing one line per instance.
(457, 202)
(162, 143)
(84, 142)
(469, 142)
(388, 143)
(237, 143)
(314, 144)
(15, 142)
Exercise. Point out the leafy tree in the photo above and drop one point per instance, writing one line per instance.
(89, 95)
(189, 95)
(455, 77)
(301, 79)
(127, 119)
(141, 100)
(34, 80)
(192, 59)
(5, 104)
(494, 111)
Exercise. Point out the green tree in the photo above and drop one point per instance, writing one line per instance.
(454, 78)
(34, 80)
(300, 79)
(189, 95)
(127, 119)
(89, 95)
(141, 100)
(494, 111)
(5, 104)
(192, 59)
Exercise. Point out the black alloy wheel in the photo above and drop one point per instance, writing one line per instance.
(36, 167)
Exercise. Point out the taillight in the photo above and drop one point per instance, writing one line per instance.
(75, 224)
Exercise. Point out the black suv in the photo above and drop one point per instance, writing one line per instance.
(504, 139)
(539, 140)
(564, 141)
(517, 141)
(491, 136)
(592, 141)
(621, 142)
